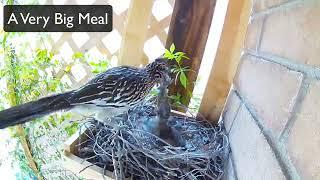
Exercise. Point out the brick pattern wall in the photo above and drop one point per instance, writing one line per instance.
(272, 115)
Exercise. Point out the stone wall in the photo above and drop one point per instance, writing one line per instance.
(272, 115)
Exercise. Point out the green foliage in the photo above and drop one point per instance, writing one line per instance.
(26, 81)
(9, 72)
(31, 78)
(176, 56)
(176, 99)
(178, 70)
(25, 171)
(97, 67)
(30, 74)
(78, 55)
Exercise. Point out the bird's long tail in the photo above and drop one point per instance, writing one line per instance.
(28, 111)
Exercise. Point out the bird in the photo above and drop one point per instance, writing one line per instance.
(110, 93)
(164, 109)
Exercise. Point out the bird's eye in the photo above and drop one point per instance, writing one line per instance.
(162, 66)
(157, 75)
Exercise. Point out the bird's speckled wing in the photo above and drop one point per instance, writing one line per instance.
(117, 87)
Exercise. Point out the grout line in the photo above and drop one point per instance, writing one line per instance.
(227, 132)
(278, 148)
(260, 36)
(234, 169)
(308, 70)
(237, 111)
(275, 8)
(301, 95)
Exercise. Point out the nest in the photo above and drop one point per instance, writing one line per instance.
(132, 149)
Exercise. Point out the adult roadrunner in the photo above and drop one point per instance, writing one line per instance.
(109, 94)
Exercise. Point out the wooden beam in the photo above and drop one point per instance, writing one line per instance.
(189, 28)
(226, 60)
(135, 33)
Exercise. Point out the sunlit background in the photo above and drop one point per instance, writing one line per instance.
(82, 55)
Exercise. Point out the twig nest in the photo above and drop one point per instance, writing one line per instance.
(133, 150)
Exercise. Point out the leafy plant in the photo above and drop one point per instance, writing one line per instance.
(97, 67)
(27, 81)
(179, 71)
(180, 77)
